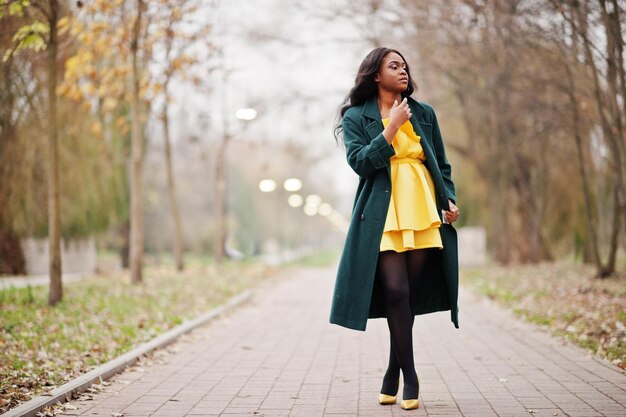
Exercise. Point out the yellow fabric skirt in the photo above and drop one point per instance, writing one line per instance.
(412, 219)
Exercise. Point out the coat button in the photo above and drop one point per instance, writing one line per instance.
(362, 216)
(386, 191)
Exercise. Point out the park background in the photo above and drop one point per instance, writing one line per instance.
(178, 152)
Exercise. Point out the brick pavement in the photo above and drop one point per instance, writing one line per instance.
(279, 357)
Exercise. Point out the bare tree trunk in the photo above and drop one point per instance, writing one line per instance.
(219, 249)
(500, 177)
(613, 52)
(11, 255)
(615, 229)
(54, 216)
(589, 223)
(619, 42)
(615, 76)
(618, 18)
(178, 240)
(219, 242)
(609, 133)
(123, 235)
(136, 215)
(171, 188)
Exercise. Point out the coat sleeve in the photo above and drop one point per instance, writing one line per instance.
(363, 157)
(442, 161)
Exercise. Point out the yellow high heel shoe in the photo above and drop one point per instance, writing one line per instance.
(386, 399)
(410, 404)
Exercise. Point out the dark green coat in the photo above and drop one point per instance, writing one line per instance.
(358, 294)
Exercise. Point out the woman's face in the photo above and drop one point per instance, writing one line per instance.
(392, 75)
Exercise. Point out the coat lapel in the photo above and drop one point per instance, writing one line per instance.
(421, 127)
(373, 122)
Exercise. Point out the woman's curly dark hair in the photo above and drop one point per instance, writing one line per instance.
(365, 86)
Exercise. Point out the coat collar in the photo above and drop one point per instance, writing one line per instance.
(371, 110)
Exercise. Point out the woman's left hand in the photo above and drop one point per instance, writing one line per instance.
(453, 214)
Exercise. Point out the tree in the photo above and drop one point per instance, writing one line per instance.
(136, 199)
(43, 33)
(605, 66)
(175, 42)
(129, 81)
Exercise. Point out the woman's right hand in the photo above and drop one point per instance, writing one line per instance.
(399, 113)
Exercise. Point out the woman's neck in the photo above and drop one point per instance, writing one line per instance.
(385, 101)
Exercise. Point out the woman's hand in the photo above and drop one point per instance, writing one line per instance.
(453, 214)
(399, 113)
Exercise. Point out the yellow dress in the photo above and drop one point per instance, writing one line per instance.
(412, 220)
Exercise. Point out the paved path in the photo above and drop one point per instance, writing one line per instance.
(278, 356)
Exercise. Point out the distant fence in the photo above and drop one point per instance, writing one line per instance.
(78, 255)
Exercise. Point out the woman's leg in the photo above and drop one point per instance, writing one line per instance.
(392, 267)
(392, 376)
(416, 262)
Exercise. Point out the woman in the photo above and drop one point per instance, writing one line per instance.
(400, 256)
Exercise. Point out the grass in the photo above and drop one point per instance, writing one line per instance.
(100, 318)
(563, 297)
(322, 258)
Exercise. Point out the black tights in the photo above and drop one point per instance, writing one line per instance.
(399, 272)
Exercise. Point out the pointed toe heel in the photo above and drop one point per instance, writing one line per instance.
(410, 404)
(388, 386)
(386, 399)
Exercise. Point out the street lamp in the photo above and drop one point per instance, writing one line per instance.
(313, 200)
(221, 168)
(292, 184)
(267, 185)
(295, 200)
(325, 209)
(246, 113)
(310, 210)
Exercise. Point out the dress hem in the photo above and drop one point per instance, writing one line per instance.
(424, 246)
